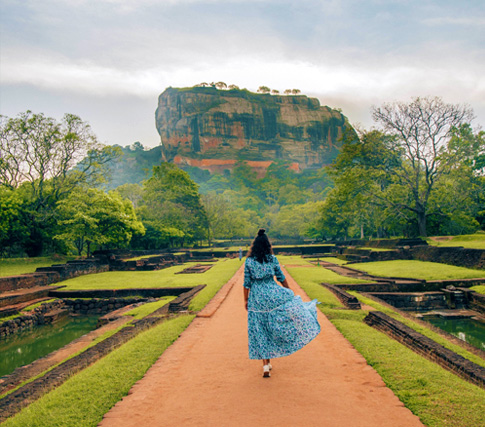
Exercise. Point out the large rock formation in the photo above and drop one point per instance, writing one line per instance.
(212, 129)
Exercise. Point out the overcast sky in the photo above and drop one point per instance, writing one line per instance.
(108, 60)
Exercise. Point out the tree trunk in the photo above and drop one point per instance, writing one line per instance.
(422, 223)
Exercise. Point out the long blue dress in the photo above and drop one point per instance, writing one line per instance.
(279, 323)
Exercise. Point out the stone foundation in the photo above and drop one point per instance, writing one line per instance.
(28, 321)
(345, 298)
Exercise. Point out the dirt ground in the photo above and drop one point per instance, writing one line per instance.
(206, 379)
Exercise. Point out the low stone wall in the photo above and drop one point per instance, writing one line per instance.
(30, 280)
(47, 275)
(464, 257)
(427, 347)
(410, 301)
(28, 321)
(99, 305)
(346, 299)
(474, 300)
(383, 243)
(354, 255)
(418, 286)
(119, 293)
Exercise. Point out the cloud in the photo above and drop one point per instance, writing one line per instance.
(461, 21)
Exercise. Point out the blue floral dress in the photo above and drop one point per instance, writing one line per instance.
(279, 323)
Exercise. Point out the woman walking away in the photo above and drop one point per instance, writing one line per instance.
(279, 323)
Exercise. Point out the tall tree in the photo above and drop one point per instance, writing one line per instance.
(172, 205)
(422, 131)
(46, 160)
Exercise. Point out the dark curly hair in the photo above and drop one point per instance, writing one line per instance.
(261, 248)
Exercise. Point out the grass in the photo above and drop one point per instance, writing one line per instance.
(214, 278)
(316, 274)
(434, 394)
(472, 241)
(148, 308)
(17, 266)
(374, 249)
(479, 289)
(418, 270)
(86, 397)
(38, 304)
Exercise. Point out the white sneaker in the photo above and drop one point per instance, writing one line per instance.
(266, 373)
(270, 367)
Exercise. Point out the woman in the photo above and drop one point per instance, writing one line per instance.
(279, 323)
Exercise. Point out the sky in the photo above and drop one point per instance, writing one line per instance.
(107, 61)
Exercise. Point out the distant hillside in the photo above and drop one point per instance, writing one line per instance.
(212, 129)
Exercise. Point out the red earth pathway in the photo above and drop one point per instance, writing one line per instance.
(206, 379)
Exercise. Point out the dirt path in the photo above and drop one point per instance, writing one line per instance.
(206, 379)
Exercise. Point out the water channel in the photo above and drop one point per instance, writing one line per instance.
(469, 330)
(30, 345)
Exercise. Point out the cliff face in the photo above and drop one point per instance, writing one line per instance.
(200, 126)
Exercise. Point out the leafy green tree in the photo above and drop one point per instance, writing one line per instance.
(46, 160)
(91, 216)
(14, 230)
(422, 135)
(297, 220)
(264, 89)
(172, 205)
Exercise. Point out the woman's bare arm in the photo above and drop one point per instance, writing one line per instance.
(284, 283)
(246, 296)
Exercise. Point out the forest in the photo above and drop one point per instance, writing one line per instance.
(421, 173)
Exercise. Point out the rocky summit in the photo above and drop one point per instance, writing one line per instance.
(213, 129)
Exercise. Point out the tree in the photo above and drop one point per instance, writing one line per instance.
(287, 92)
(233, 87)
(35, 148)
(14, 229)
(275, 92)
(264, 89)
(172, 205)
(91, 216)
(422, 131)
(295, 91)
(46, 160)
(220, 85)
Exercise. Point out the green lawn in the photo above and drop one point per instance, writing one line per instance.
(87, 396)
(472, 241)
(316, 273)
(145, 309)
(437, 396)
(214, 278)
(479, 289)
(418, 270)
(16, 266)
(334, 260)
